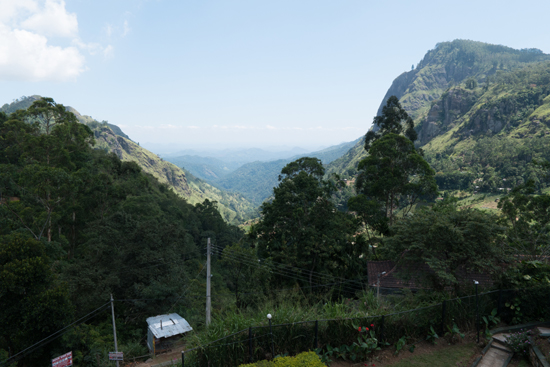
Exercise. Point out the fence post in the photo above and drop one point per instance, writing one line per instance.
(382, 329)
(477, 311)
(443, 310)
(271, 332)
(250, 343)
(316, 334)
(182, 358)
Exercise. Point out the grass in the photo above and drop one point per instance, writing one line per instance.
(452, 356)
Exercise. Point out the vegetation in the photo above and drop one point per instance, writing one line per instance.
(233, 207)
(301, 227)
(77, 225)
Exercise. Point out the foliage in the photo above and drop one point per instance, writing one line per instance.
(244, 274)
(34, 303)
(301, 227)
(519, 342)
(528, 218)
(89, 225)
(393, 120)
(400, 345)
(449, 241)
(453, 332)
(432, 336)
(309, 359)
(394, 174)
(490, 320)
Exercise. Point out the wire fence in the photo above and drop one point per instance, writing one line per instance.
(267, 341)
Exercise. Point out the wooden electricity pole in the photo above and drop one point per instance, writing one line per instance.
(114, 326)
(208, 298)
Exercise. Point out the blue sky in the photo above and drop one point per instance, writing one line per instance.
(231, 73)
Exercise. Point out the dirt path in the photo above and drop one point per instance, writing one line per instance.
(175, 354)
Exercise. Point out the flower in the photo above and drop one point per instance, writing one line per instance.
(359, 329)
(372, 325)
(367, 328)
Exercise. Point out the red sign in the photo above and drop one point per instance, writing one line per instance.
(116, 356)
(63, 361)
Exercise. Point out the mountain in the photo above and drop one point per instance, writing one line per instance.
(256, 180)
(208, 168)
(480, 110)
(241, 156)
(233, 207)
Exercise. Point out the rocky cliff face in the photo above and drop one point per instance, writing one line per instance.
(445, 113)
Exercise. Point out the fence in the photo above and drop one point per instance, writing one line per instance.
(266, 341)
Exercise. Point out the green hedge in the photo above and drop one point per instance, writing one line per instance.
(306, 359)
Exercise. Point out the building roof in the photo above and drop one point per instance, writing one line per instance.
(172, 324)
(389, 280)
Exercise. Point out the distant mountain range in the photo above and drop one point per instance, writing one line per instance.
(254, 180)
(482, 113)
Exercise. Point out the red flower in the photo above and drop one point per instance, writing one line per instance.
(359, 329)
(367, 328)
(372, 325)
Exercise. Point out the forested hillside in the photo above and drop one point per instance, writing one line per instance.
(233, 206)
(481, 112)
(78, 224)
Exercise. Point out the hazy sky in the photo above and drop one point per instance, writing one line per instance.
(239, 73)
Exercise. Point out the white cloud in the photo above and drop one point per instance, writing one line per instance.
(126, 29)
(108, 30)
(33, 42)
(52, 20)
(108, 52)
(27, 56)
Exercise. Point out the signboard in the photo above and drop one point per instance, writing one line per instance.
(116, 356)
(63, 361)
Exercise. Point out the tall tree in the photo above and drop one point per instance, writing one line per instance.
(301, 227)
(394, 119)
(394, 174)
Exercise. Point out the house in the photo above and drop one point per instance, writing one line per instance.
(164, 331)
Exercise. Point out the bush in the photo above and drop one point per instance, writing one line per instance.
(519, 342)
(306, 359)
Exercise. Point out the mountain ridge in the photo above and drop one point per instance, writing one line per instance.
(462, 91)
(233, 207)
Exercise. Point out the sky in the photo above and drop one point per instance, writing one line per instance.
(189, 74)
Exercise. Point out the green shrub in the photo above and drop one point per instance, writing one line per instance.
(306, 359)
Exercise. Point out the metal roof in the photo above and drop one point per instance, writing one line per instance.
(172, 324)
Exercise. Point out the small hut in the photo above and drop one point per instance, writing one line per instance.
(164, 331)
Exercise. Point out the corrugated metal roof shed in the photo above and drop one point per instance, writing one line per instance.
(172, 324)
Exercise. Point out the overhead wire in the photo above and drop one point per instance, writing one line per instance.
(45, 341)
(289, 267)
(318, 279)
(291, 274)
(293, 267)
(285, 268)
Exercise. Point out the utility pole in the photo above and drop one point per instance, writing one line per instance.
(114, 325)
(208, 298)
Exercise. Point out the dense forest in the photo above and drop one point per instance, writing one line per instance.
(77, 225)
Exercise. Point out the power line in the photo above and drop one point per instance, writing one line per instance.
(293, 267)
(62, 331)
(288, 273)
(283, 268)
